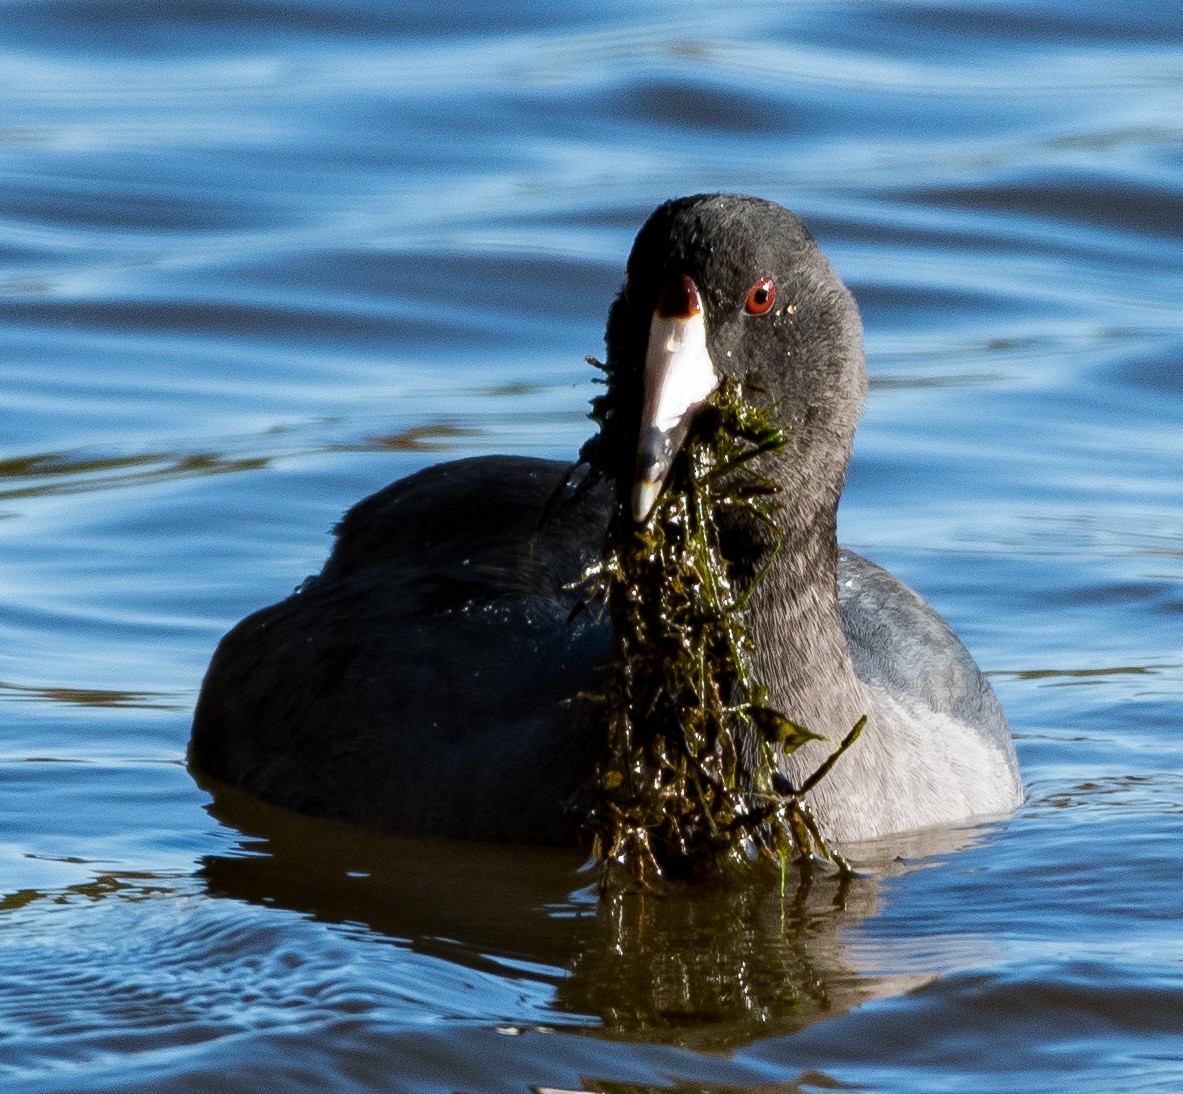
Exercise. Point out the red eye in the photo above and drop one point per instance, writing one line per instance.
(761, 296)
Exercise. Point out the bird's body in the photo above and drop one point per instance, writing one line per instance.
(433, 678)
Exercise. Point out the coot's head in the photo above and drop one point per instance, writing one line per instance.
(726, 285)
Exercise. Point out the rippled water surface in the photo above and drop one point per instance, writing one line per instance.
(258, 259)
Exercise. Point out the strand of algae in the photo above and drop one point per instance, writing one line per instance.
(690, 783)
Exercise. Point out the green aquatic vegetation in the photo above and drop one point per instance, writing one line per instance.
(690, 784)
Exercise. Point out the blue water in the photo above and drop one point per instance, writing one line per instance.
(258, 259)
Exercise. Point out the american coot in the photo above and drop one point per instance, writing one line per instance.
(429, 679)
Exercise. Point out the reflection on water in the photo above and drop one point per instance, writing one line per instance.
(65, 473)
(130, 886)
(717, 970)
(434, 437)
(492, 899)
(708, 968)
(89, 697)
(713, 969)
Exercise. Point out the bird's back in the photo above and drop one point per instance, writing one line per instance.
(429, 680)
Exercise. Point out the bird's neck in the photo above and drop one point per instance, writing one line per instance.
(801, 652)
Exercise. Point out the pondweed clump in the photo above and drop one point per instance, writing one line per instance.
(690, 783)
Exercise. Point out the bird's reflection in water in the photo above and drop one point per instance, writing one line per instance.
(715, 967)
(704, 967)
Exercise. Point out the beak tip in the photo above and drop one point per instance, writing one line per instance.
(645, 494)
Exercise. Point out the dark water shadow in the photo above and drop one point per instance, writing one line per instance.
(704, 967)
(471, 903)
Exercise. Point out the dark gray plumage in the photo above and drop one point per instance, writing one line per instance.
(428, 680)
